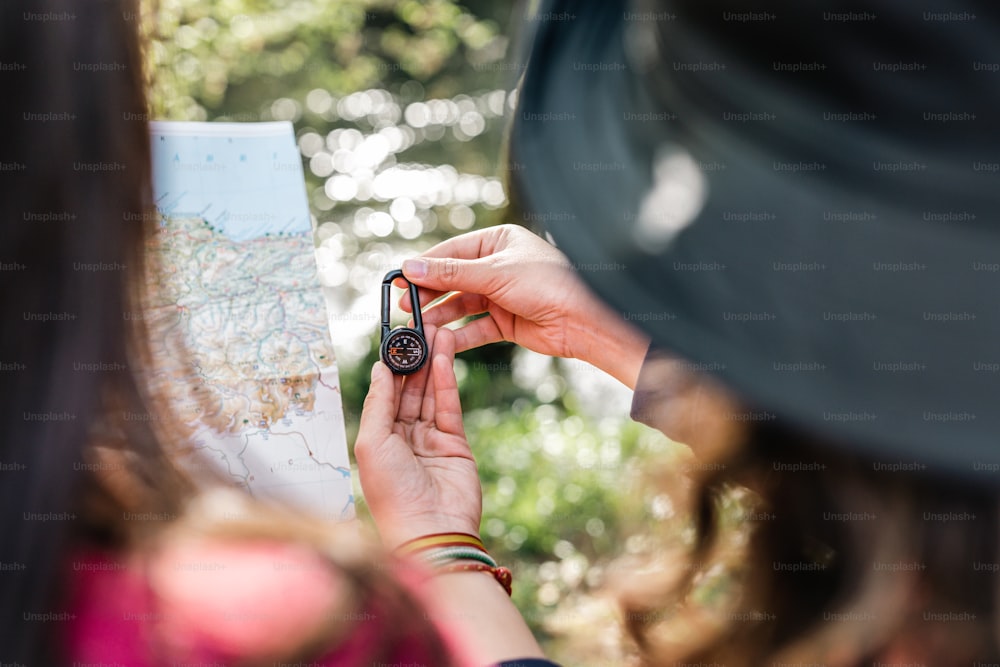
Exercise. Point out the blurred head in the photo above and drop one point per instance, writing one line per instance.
(76, 183)
(777, 196)
(75, 216)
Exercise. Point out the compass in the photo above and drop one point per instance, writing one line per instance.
(403, 350)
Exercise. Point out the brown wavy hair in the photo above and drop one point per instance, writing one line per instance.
(814, 555)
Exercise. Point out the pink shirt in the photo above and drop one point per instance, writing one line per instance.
(220, 603)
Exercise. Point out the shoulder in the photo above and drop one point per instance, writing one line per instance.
(241, 597)
(241, 600)
(197, 599)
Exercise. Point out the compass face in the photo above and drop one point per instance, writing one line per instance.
(404, 351)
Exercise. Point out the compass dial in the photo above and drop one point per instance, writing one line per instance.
(404, 351)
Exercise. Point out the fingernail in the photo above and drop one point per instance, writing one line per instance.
(415, 268)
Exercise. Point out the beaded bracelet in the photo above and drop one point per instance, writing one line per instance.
(457, 553)
(503, 576)
(446, 552)
(438, 540)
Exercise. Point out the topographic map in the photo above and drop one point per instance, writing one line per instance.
(239, 330)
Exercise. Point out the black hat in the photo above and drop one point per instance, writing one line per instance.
(804, 201)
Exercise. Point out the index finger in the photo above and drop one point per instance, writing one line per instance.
(412, 396)
(471, 245)
(447, 405)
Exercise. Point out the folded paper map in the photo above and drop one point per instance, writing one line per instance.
(240, 333)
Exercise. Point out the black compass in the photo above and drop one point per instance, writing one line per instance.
(403, 350)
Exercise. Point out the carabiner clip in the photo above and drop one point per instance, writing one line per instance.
(403, 350)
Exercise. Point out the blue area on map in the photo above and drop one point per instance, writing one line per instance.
(244, 179)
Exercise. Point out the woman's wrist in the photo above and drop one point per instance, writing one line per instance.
(611, 344)
(468, 600)
(456, 552)
(397, 530)
(474, 608)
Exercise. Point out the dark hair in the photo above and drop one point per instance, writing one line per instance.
(76, 217)
(76, 182)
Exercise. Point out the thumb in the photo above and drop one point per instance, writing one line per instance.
(378, 413)
(449, 274)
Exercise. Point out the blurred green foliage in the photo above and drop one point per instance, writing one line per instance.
(232, 58)
(422, 88)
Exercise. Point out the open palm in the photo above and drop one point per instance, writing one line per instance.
(416, 468)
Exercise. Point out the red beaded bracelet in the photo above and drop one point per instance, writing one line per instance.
(503, 576)
(460, 552)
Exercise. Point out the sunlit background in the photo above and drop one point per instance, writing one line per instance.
(400, 110)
